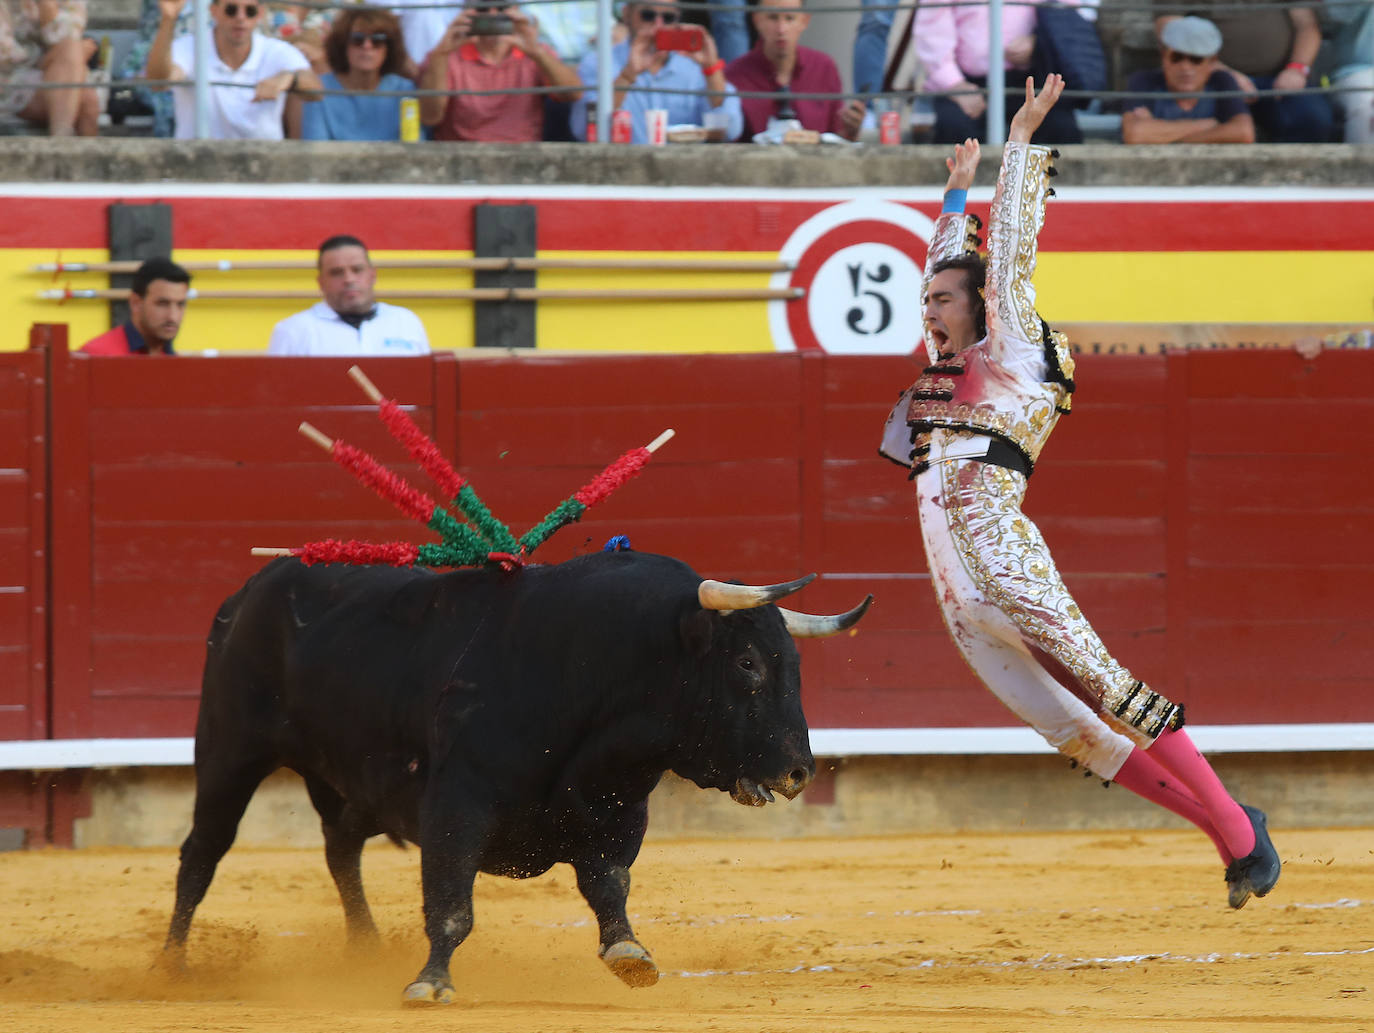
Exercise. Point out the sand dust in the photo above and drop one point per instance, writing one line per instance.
(1065, 931)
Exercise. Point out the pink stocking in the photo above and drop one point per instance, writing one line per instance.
(1175, 752)
(1148, 780)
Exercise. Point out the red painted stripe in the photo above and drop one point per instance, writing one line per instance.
(692, 225)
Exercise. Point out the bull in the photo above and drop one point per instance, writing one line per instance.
(503, 722)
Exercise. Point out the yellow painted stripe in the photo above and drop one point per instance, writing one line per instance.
(1073, 287)
(1206, 287)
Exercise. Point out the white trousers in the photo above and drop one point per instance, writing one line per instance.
(1014, 621)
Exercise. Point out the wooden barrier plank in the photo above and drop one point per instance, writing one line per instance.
(1281, 483)
(1310, 541)
(242, 435)
(597, 436)
(549, 383)
(14, 439)
(150, 717)
(260, 492)
(1281, 375)
(14, 499)
(250, 382)
(161, 666)
(1250, 427)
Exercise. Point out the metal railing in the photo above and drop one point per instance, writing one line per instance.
(995, 91)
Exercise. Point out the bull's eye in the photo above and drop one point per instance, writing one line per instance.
(746, 662)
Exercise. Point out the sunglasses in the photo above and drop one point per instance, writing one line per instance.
(666, 17)
(377, 39)
(1176, 58)
(249, 10)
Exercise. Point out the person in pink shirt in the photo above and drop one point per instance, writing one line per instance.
(491, 46)
(951, 43)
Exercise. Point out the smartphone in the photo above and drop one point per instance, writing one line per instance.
(492, 25)
(687, 38)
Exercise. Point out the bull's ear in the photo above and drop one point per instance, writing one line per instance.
(698, 630)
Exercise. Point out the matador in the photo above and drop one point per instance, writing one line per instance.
(972, 429)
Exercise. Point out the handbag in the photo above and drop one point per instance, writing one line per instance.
(1067, 43)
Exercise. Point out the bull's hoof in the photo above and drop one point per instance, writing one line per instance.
(631, 963)
(422, 992)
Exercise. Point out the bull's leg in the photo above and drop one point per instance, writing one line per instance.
(344, 837)
(221, 799)
(606, 887)
(447, 870)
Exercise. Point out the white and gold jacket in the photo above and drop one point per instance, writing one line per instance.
(1012, 385)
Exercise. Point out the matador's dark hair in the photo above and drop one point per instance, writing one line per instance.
(975, 277)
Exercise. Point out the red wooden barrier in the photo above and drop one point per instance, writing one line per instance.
(1210, 511)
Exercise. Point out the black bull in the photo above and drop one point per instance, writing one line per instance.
(503, 722)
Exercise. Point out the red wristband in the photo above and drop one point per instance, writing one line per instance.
(713, 69)
(1298, 66)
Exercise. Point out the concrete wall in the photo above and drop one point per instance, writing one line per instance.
(119, 160)
(855, 796)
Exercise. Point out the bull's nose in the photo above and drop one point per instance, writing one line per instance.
(797, 780)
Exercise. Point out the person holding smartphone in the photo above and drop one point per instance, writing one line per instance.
(972, 429)
(492, 45)
(662, 54)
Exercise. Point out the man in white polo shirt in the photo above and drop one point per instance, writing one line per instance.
(350, 320)
(263, 70)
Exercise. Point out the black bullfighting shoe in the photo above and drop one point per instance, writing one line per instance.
(1258, 870)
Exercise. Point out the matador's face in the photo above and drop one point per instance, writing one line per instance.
(949, 319)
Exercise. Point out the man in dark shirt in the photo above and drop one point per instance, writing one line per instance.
(779, 62)
(1189, 48)
(157, 305)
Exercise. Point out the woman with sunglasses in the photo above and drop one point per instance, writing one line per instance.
(367, 57)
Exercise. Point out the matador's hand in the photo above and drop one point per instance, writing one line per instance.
(1027, 120)
(963, 165)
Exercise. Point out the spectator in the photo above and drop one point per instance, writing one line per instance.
(365, 52)
(158, 101)
(641, 64)
(241, 56)
(1188, 64)
(1353, 45)
(350, 320)
(423, 24)
(492, 46)
(41, 43)
(157, 305)
(951, 43)
(1268, 47)
(779, 62)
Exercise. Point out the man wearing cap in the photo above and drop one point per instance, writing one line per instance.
(1188, 56)
(1268, 47)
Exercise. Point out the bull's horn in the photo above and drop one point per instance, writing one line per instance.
(808, 625)
(717, 595)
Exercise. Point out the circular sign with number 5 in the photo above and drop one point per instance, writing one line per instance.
(860, 265)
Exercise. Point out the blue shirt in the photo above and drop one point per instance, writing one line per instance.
(678, 73)
(1151, 80)
(358, 117)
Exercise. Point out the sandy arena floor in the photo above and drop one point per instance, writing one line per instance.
(1068, 931)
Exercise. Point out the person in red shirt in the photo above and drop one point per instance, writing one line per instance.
(157, 305)
(779, 62)
(470, 56)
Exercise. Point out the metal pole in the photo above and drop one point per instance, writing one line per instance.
(997, 77)
(605, 75)
(200, 25)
